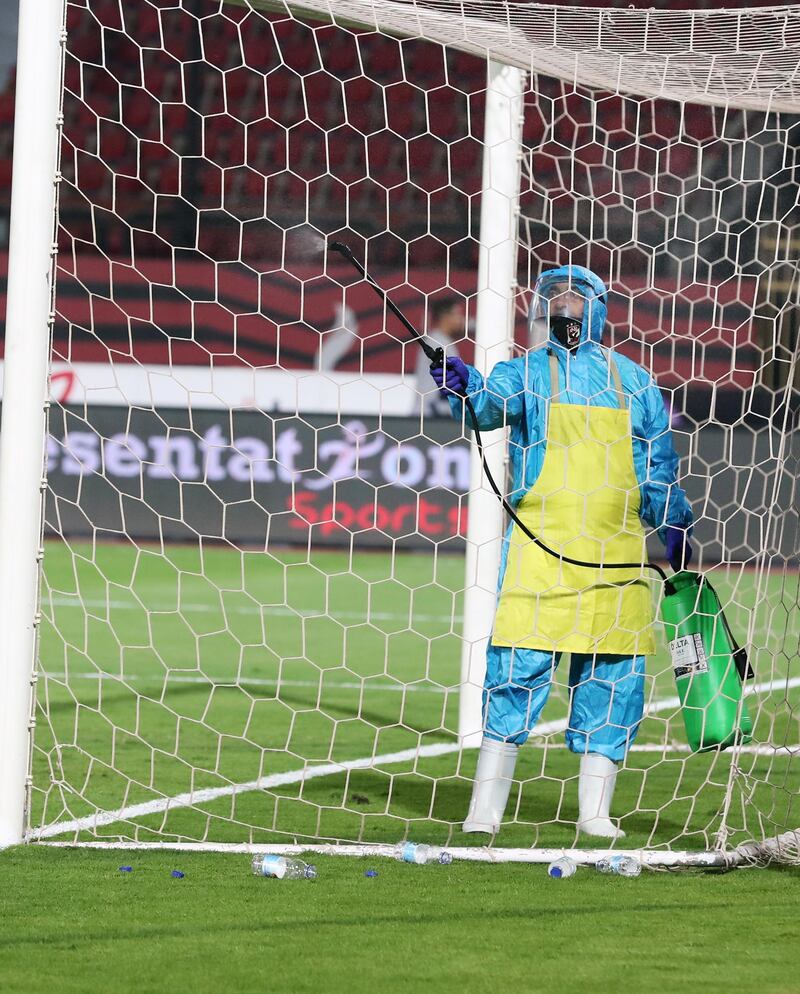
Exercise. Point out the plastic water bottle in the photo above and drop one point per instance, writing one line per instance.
(283, 868)
(563, 867)
(622, 866)
(413, 852)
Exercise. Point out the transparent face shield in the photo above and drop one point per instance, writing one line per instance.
(558, 306)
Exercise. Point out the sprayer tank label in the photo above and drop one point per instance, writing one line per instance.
(688, 655)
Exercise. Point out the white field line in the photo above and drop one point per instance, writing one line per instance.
(748, 750)
(255, 610)
(784, 683)
(193, 798)
(744, 854)
(367, 684)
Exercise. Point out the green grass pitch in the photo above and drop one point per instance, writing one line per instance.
(197, 669)
(201, 668)
(72, 922)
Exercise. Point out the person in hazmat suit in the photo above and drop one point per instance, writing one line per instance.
(592, 458)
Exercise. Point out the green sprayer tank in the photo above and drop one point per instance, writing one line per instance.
(708, 663)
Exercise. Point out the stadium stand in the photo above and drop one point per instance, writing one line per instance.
(385, 135)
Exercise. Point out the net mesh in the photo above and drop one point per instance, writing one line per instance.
(741, 57)
(253, 579)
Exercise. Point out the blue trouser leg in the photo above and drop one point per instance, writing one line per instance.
(607, 703)
(515, 691)
(606, 698)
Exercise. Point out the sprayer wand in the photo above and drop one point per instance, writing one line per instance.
(436, 355)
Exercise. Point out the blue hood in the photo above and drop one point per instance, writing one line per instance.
(589, 284)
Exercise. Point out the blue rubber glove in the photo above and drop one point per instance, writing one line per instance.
(453, 378)
(679, 548)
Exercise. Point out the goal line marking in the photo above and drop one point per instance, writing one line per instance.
(195, 798)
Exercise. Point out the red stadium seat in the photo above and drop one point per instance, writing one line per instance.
(255, 185)
(237, 85)
(142, 23)
(279, 81)
(174, 119)
(76, 18)
(467, 72)
(295, 45)
(378, 153)
(211, 186)
(130, 194)
(117, 144)
(427, 162)
(107, 12)
(138, 110)
(85, 41)
(424, 62)
(220, 42)
(92, 174)
(319, 89)
(381, 56)
(447, 113)
(341, 59)
(266, 142)
(466, 163)
(7, 107)
(155, 75)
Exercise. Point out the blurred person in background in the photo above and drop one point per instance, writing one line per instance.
(448, 325)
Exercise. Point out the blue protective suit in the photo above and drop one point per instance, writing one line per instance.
(606, 692)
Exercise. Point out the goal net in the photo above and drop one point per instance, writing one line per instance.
(256, 625)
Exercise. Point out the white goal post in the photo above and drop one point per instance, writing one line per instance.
(28, 325)
(733, 62)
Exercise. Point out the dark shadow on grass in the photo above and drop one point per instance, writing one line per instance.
(380, 719)
(599, 910)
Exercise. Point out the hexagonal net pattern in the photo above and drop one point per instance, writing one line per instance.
(253, 586)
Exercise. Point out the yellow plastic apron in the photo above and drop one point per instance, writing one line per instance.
(585, 505)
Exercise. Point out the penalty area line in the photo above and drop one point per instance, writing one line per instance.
(204, 796)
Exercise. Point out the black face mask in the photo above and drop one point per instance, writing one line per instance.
(566, 331)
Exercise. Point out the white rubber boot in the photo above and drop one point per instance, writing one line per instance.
(496, 762)
(595, 792)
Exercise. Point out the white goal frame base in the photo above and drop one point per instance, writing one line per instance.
(784, 848)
